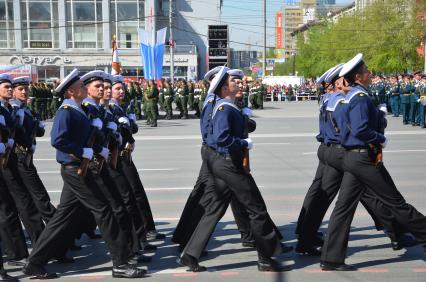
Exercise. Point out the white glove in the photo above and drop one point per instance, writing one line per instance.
(33, 148)
(132, 146)
(119, 139)
(124, 120)
(10, 142)
(21, 114)
(383, 108)
(249, 142)
(97, 123)
(418, 100)
(247, 112)
(88, 153)
(104, 153)
(132, 116)
(41, 124)
(2, 148)
(2, 121)
(384, 144)
(112, 126)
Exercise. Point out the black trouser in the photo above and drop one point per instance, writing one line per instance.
(228, 179)
(194, 210)
(330, 185)
(361, 175)
(79, 192)
(27, 210)
(11, 233)
(111, 192)
(129, 170)
(35, 187)
(313, 198)
(129, 200)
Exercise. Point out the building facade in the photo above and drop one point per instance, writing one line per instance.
(56, 36)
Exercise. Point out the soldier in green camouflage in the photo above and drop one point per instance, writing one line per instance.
(151, 96)
(168, 99)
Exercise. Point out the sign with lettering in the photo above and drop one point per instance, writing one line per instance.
(39, 60)
(41, 44)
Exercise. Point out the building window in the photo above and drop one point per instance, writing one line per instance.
(40, 23)
(84, 24)
(7, 34)
(126, 17)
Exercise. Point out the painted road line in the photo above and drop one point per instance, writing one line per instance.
(40, 160)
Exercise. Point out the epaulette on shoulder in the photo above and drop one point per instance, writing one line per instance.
(342, 101)
(65, 107)
(220, 108)
(361, 94)
(86, 104)
(211, 100)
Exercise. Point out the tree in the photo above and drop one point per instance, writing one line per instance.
(386, 32)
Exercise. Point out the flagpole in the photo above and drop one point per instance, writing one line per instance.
(171, 43)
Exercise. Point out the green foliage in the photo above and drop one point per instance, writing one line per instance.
(387, 33)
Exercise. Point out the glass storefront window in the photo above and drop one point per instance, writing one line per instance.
(40, 23)
(84, 24)
(126, 17)
(7, 34)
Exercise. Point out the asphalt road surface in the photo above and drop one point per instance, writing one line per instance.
(283, 163)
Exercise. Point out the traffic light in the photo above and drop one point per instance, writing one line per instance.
(218, 46)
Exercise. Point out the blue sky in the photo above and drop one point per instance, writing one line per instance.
(245, 19)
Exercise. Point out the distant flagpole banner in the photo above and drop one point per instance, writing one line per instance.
(152, 53)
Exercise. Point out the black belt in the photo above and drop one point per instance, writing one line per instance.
(337, 146)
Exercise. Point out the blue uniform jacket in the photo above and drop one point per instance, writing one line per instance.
(23, 134)
(206, 114)
(70, 132)
(322, 117)
(7, 111)
(331, 125)
(227, 132)
(362, 121)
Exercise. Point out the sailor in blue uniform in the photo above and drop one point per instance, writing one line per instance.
(70, 133)
(194, 218)
(13, 119)
(11, 233)
(127, 127)
(308, 222)
(362, 125)
(25, 139)
(104, 175)
(225, 163)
